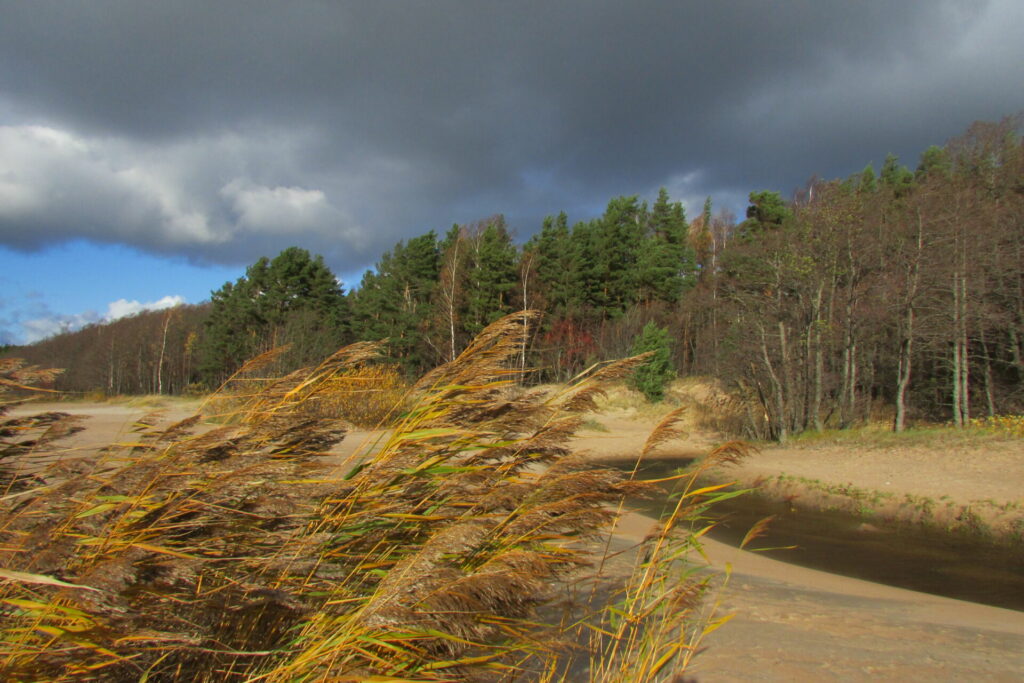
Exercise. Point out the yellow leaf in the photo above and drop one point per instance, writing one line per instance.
(163, 551)
(25, 577)
(102, 507)
(717, 623)
(708, 489)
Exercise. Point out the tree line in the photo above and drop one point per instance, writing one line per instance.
(152, 352)
(900, 291)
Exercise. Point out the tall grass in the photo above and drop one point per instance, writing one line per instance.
(242, 553)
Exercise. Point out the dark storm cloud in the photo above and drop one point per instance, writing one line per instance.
(231, 129)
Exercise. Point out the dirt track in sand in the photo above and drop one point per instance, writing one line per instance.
(789, 623)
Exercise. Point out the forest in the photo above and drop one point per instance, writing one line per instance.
(894, 294)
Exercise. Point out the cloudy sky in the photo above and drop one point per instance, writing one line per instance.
(149, 151)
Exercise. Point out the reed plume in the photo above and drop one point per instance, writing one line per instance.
(239, 550)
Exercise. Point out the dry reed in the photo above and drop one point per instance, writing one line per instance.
(244, 553)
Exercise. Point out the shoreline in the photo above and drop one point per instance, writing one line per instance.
(957, 485)
(978, 520)
(788, 622)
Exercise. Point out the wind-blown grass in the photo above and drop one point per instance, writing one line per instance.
(243, 553)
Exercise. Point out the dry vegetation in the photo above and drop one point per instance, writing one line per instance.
(244, 554)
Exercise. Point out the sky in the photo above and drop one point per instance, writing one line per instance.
(150, 151)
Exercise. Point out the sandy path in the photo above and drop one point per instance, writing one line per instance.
(102, 425)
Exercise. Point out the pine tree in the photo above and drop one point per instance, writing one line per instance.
(292, 299)
(493, 276)
(397, 301)
(665, 263)
(621, 230)
(896, 177)
(767, 211)
(586, 295)
(868, 183)
(555, 266)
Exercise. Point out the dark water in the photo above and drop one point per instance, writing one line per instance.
(907, 556)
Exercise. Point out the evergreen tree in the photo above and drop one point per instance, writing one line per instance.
(895, 176)
(587, 297)
(652, 377)
(767, 211)
(396, 301)
(493, 276)
(934, 161)
(297, 282)
(665, 263)
(555, 266)
(621, 230)
(292, 299)
(868, 183)
(231, 332)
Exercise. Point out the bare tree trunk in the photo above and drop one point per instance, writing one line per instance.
(714, 306)
(110, 368)
(819, 366)
(907, 343)
(163, 350)
(851, 398)
(1015, 349)
(526, 321)
(781, 429)
(903, 374)
(965, 359)
(961, 358)
(958, 416)
(989, 399)
(845, 409)
(449, 294)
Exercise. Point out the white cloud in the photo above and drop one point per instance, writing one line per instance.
(122, 307)
(38, 329)
(36, 321)
(279, 209)
(53, 181)
(166, 196)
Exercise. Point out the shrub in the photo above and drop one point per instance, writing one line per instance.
(1006, 425)
(653, 376)
(367, 397)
